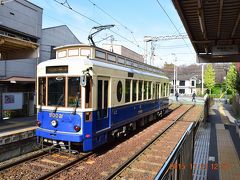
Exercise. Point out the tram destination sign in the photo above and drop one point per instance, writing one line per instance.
(56, 69)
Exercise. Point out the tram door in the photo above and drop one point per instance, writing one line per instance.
(102, 104)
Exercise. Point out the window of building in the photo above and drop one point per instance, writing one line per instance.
(181, 83)
(127, 90)
(182, 91)
(134, 90)
(53, 53)
(140, 84)
(119, 91)
(193, 83)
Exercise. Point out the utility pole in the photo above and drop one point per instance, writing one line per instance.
(202, 78)
(174, 73)
(153, 41)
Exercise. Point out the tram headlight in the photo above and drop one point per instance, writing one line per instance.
(54, 123)
(77, 128)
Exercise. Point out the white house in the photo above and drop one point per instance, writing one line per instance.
(186, 84)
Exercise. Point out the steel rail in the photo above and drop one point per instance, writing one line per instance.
(22, 160)
(131, 159)
(161, 173)
(63, 167)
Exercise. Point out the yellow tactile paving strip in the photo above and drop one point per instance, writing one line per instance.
(224, 118)
(228, 165)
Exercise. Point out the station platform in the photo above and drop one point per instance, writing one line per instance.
(186, 99)
(217, 146)
(12, 130)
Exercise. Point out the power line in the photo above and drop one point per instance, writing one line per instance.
(66, 5)
(172, 23)
(125, 27)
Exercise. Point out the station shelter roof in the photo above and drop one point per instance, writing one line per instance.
(213, 27)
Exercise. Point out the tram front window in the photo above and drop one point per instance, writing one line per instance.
(74, 92)
(56, 91)
(42, 91)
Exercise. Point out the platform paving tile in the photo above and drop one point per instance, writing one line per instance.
(201, 151)
(229, 165)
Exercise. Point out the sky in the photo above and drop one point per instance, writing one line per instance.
(133, 19)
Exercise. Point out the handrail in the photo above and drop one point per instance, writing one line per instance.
(170, 159)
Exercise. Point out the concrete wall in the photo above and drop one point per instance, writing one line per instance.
(55, 36)
(20, 67)
(119, 49)
(22, 16)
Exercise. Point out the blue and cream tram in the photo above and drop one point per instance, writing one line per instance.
(87, 94)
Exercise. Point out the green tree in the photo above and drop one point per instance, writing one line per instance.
(209, 77)
(231, 79)
(238, 82)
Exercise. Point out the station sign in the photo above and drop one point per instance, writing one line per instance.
(221, 50)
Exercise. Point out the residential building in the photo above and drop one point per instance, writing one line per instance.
(23, 44)
(53, 37)
(122, 50)
(185, 84)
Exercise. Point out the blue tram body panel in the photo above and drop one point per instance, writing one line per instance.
(123, 114)
(94, 132)
(64, 130)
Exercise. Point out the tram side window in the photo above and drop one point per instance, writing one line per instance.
(105, 103)
(149, 90)
(88, 91)
(134, 90)
(127, 90)
(99, 98)
(164, 90)
(42, 91)
(140, 90)
(153, 91)
(145, 90)
(102, 99)
(74, 92)
(158, 86)
(56, 91)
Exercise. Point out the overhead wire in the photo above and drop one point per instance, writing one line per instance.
(125, 27)
(173, 24)
(67, 5)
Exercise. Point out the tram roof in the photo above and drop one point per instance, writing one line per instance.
(213, 27)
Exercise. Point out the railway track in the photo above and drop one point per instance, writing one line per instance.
(145, 163)
(104, 164)
(41, 166)
(97, 164)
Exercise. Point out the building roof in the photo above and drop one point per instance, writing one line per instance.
(184, 77)
(213, 27)
(61, 26)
